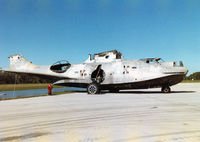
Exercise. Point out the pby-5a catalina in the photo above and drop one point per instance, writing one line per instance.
(107, 71)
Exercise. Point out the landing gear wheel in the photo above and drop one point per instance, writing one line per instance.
(166, 89)
(93, 88)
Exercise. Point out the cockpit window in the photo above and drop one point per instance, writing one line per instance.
(153, 60)
(60, 66)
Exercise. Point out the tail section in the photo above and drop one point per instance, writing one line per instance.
(18, 62)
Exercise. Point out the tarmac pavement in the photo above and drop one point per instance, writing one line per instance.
(129, 116)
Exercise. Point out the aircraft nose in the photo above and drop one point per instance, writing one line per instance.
(184, 69)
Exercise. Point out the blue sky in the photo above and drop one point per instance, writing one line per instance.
(46, 31)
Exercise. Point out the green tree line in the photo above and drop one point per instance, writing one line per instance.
(12, 78)
(194, 76)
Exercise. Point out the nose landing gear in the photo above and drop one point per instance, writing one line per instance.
(165, 89)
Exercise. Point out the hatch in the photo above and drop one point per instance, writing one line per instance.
(98, 75)
(60, 66)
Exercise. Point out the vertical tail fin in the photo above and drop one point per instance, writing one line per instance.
(18, 61)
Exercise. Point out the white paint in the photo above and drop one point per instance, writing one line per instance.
(116, 70)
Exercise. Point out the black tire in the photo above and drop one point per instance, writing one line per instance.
(93, 88)
(166, 89)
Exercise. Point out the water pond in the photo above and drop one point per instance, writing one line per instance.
(34, 92)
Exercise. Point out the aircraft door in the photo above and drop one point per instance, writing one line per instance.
(98, 75)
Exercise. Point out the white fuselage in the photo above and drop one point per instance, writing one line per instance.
(124, 71)
(108, 69)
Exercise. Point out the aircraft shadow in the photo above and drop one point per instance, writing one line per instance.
(153, 92)
(136, 92)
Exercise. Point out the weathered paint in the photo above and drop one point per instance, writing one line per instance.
(117, 72)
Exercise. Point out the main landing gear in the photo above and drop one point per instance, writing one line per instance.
(165, 89)
(93, 88)
(97, 77)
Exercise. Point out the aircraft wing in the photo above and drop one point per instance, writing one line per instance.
(34, 72)
(19, 65)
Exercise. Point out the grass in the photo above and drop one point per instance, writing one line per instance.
(191, 81)
(11, 87)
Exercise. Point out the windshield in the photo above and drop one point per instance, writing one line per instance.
(60, 66)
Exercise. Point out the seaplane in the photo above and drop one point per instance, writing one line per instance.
(106, 71)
